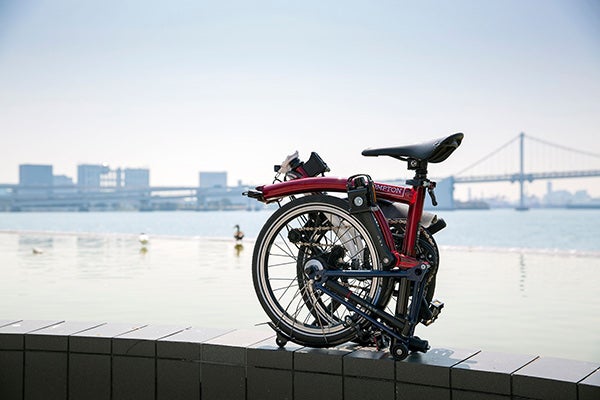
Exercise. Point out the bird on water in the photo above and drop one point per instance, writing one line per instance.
(238, 234)
(143, 238)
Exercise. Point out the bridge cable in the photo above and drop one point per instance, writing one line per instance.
(488, 156)
(587, 153)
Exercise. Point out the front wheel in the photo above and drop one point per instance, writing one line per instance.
(307, 234)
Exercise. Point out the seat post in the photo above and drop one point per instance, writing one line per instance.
(415, 208)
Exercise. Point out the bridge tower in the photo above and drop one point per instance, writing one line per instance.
(521, 176)
(521, 206)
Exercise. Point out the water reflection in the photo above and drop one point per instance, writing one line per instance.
(238, 249)
(522, 273)
(35, 244)
(90, 242)
(495, 300)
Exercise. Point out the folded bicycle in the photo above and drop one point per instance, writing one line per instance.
(329, 261)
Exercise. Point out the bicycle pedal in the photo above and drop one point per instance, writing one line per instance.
(379, 340)
(435, 308)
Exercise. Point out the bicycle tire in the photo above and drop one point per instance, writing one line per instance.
(314, 227)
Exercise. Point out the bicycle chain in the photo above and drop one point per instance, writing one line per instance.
(313, 229)
(330, 228)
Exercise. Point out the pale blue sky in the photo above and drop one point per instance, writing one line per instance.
(183, 86)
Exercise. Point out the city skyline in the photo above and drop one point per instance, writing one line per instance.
(191, 86)
(219, 179)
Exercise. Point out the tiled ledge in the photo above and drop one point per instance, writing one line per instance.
(108, 361)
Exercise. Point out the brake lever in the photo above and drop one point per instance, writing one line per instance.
(431, 192)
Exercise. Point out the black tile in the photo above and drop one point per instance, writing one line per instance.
(89, 377)
(318, 386)
(142, 342)
(469, 395)
(177, 380)
(488, 372)
(268, 355)
(11, 374)
(269, 384)
(185, 345)
(431, 368)
(322, 360)
(372, 389)
(551, 378)
(12, 336)
(589, 388)
(98, 340)
(223, 382)
(12, 341)
(45, 375)
(369, 363)
(133, 378)
(55, 337)
(230, 348)
(407, 391)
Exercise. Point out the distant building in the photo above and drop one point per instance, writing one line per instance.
(62, 180)
(35, 175)
(213, 180)
(137, 178)
(95, 176)
(63, 184)
(560, 198)
(90, 175)
(444, 193)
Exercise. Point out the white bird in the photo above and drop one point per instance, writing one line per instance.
(37, 250)
(143, 238)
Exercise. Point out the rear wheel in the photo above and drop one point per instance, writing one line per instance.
(311, 233)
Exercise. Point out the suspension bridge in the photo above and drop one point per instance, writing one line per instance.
(524, 159)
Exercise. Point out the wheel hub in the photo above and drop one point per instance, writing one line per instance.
(312, 267)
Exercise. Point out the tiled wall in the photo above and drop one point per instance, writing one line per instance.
(108, 361)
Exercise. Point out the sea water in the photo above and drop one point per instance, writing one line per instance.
(522, 282)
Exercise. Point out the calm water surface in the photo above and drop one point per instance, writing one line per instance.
(510, 282)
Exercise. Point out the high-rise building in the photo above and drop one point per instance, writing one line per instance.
(95, 176)
(137, 178)
(98, 176)
(90, 175)
(35, 175)
(213, 179)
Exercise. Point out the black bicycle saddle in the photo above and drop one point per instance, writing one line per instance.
(434, 151)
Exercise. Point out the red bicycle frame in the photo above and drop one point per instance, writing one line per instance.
(414, 197)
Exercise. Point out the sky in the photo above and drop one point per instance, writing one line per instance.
(183, 86)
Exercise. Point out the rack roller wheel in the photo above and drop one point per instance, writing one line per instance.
(399, 351)
(281, 340)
